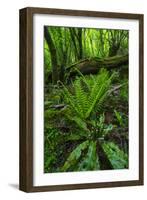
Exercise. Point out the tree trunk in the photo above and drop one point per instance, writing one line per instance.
(55, 75)
(80, 43)
(73, 37)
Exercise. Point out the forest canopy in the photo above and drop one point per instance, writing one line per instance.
(85, 99)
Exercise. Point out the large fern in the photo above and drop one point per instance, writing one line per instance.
(84, 99)
(88, 93)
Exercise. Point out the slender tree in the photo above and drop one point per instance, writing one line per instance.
(52, 48)
(80, 43)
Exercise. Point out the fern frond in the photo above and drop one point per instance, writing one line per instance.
(70, 99)
(99, 91)
(83, 101)
(81, 97)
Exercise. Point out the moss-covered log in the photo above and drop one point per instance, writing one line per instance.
(92, 65)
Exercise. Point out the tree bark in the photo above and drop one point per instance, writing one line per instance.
(55, 75)
(80, 43)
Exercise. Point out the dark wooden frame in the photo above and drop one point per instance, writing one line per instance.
(26, 99)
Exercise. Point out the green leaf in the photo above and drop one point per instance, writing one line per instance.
(74, 156)
(119, 117)
(72, 137)
(107, 129)
(117, 157)
(49, 160)
(91, 160)
(80, 123)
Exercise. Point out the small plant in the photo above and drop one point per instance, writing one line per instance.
(119, 118)
(99, 129)
(124, 91)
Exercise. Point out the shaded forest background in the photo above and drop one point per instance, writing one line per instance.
(85, 99)
(64, 47)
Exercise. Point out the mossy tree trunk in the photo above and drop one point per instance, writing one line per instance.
(52, 48)
(93, 65)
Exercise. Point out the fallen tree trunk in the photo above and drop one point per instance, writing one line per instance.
(93, 65)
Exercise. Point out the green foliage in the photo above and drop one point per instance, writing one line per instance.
(86, 94)
(86, 99)
(91, 160)
(75, 155)
(78, 133)
(122, 120)
(73, 44)
(47, 61)
(117, 157)
(81, 123)
(83, 102)
(119, 118)
(124, 91)
(51, 140)
(82, 160)
(100, 129)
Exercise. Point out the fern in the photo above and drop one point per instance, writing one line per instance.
(70, 99)
(80, 123)
(81, 98)
(99, 91)
(83, 102)
(85, 98)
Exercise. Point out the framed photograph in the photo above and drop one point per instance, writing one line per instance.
(81, 99)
